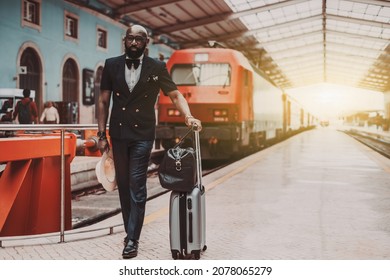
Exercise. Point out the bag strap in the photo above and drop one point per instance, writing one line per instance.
(182, 138)
(198, 158)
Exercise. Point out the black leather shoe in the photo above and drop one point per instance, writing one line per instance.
(130, 250)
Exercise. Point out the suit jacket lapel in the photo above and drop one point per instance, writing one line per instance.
(121, 74)
(146, 68)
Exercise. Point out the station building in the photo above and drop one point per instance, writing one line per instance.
(58, 49)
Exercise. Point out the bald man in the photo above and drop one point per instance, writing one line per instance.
(134, 81)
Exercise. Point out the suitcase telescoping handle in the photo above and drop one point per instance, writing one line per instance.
(198, 159)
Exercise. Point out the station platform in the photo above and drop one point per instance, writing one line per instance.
(320, 195)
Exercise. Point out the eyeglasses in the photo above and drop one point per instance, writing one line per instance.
(138, 39)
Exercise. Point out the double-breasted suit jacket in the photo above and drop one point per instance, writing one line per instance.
(132, 115)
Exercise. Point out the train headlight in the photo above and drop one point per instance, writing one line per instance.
(173, 113)
(221, 115)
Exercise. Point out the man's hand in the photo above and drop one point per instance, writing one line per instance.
(190, 121)
(103, 145)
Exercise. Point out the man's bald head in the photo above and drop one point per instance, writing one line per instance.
(137, 29)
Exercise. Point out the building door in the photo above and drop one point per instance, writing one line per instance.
(68, 108)
(32, 78)
(70, 82)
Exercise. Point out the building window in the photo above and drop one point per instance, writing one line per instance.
(101, 38)
(71, 26)
(31, 13)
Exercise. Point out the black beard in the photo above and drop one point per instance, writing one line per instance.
(135, 54)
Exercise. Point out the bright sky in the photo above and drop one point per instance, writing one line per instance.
(329, 101)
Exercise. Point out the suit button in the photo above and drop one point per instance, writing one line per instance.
(146, 95)
(120, 124)
(117, 94)
(136, 125)
(123, 108)
(137, 110)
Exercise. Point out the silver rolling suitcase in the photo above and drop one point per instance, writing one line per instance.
(187, 216)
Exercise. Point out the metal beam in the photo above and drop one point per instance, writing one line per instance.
(357, 36)
(358, 21)
(306, 72)
(292, 38)
(372, 2)
(309, 69)
(305, 60)
(320, 32)
(341, 59)
(287, 52)
(143, 5)
(195, 23)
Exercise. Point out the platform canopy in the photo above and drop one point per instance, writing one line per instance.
(295, 42)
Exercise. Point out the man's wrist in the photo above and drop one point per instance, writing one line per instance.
(187, 117)
(102, 135)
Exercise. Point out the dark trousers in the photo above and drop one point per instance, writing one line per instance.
(131, 160)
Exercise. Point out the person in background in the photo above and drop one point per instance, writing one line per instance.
(134, 81)
(6, 105)
(7, 110)
(50, 114)
(26, 109)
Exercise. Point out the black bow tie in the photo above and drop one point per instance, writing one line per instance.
(134, 62)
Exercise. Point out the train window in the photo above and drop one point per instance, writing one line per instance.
(202, 74)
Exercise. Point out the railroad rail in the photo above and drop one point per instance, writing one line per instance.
(375, 141)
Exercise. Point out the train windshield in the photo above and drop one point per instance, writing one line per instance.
(201, 74)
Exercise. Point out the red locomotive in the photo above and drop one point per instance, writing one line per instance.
(240, 110)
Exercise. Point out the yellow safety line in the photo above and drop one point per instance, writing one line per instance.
(155, 215)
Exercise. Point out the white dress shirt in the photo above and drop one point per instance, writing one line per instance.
(132, 75)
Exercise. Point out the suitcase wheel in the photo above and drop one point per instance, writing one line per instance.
(204, 248)
(175, 255)
(197, 255)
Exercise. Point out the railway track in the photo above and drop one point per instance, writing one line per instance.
(373, 141)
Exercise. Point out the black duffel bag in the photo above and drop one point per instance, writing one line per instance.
(177, 171)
